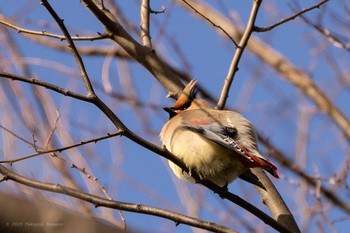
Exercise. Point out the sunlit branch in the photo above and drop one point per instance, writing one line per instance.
(144, 55)
(283, 160)
(238, 54)
(144, 24)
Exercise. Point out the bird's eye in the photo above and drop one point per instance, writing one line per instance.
(231, 132)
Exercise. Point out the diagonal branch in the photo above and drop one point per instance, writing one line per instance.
(300, 13)
(325, 32)
(329, 194)
(238, 54)
(212, 22)
(71, 44)
(144, 55)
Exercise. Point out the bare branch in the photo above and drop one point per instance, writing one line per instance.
(210, 21)
(144, 55)
(325, 32)
(47, 85)
(71, 44)
(329, 194)
(41, 151)
(238, 54)
(7, 22)
(46, 151)
(318, 5)
(98, 201)
(144, 24)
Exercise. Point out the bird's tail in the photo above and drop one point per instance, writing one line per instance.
(267, 165)
(257, 160)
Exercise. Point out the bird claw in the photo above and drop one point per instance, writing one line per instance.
(188, 174)
(225, 190)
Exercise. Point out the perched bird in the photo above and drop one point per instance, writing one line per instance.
(219, 145)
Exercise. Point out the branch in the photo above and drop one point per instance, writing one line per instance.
(41, 151)
(144, 55)
(283, 160)
(324, 31)
(98, 201)
(60, 150)
(238, 54)
(212, 22)
(7, 22)
(144, 24)
(47, 85)
(318, 5)
(71, 44)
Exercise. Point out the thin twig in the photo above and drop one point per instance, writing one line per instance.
(17, 136)
(238, 54)
(41, 151)
(210, 21)
(264, 29)
(7, 22)
(71, 44)
(87, 175)
(158, 12)
(324, 31)
(47, 85)
(52, 131)
(61, 149)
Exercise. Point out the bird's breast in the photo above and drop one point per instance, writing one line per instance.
(209, 159)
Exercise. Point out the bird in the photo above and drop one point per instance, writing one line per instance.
(219, 145)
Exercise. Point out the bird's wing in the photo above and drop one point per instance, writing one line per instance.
(226, 136)
(218, 133)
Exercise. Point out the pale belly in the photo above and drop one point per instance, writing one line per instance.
(210, 160)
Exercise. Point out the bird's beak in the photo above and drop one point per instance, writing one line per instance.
(172, 112)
